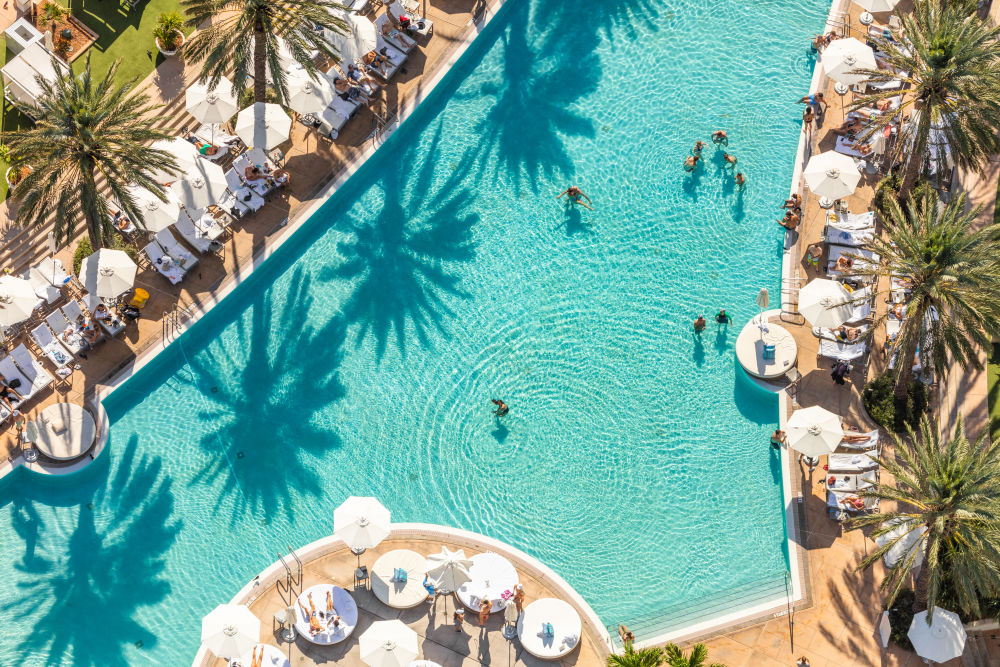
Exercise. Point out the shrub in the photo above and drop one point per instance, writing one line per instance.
(900, 617)
(888, 188)
(82, 251)
(53, 11)
(880, 403)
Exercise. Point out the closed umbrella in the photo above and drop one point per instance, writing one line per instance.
(107, 273)
(306, 96)
(831, 175)
(877, 6)
(359, 39)
(362, 522)
(449, 569)
(843, 56)
(814, 431)
(942, 640)
(388, 644)
(908, 536)
(17, 300)
(157, 215)
(184, 154)
(230, 631)
(825, 303)
(202, 185)
(263, 125)
(212, 105)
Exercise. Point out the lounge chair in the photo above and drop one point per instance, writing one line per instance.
(11, 372)
(249, 198)
(111, 327)
(395, 57)
(849, 501)
(67, 333)
(862, 300)
(401, 41)
(202, 234)
(421, 25)
(73, 312)
(854, 221)
(216, 135)
(163, 263)
(871, 441)
(181, 255)
(829, 334)
(51, 348)
(233, 178)
(862, 258)
(842, 351)
(45, 290)
(856, 238)
(851, 482)
(37, 378)
(52, 271)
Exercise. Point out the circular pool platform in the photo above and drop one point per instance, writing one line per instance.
(765, 350)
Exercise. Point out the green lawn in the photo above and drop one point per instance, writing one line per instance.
(993, 385)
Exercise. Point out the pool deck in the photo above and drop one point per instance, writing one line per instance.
(438, 640)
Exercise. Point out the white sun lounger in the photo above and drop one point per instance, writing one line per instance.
(395, 57)
(52, 271)
(842, 351)
(164, 264)
(401, 41)
(32, 373)
(181, 255)
(838, 499)
(856, 463)
(198, 238)
(849, 237)
(215, 135)
(828, 334)
(66, 332)
(862, 300)
(10, 371)
(51, 348)
(332, 120)
(862, 258)
(233, 179)
(852, 482)
(73, 312)
(45, 290)
(864, 445)
(416, 19)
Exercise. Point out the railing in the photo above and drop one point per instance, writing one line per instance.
(790, 300)
(174, 322)
(676, 617)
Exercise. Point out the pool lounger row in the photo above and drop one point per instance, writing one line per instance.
(170, 258)
(21, 366)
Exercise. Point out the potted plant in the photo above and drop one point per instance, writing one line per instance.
(15, 174)
(167, 32)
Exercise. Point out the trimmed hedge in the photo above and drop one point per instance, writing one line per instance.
(879, 401)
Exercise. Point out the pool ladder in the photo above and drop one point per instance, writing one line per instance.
(292, 578)
(174, 322)
(790, 300)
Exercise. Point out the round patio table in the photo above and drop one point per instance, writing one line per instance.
(65, 431)
(566, 628)
(389, 589)
(344, 606)
(273, 657)
(493, 577)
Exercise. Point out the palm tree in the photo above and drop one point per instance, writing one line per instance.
(953, 271)
(644, 657)
(247, 36)
(699, 654)
(949, 487)
(85, 128)
(950, 64)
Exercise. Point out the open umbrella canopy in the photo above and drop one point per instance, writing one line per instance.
(308, 96)
(184, 154)
(107, 273)
(908, 535)
(942, 640)
(843, 56)
(202, 185)
(17, 300)
(388, 644)
(877, 6)
(832, 174)
(230, 630)
(362, 522)
(215, 105)
(263, 125)
(814, 431)
(825, 303)
(157, 215)
(449, 569)
(356, 42)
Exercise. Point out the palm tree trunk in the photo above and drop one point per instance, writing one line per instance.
(921, 589)
(913, 163)
(915, 158)
(259, 65)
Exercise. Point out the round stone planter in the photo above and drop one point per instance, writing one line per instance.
(174, 51)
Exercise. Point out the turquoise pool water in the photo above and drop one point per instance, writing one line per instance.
(362, 357)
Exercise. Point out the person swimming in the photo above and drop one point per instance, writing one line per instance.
(723, 318)
(720, 137)
(691, 162)
(698, 147)
(741, 180)
(699, 324)
(730, 159)
(501, 409)
(574, 194)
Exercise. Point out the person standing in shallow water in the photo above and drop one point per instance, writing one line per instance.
(575, 196)
(501, 408)
(723, 318)
(699, 324)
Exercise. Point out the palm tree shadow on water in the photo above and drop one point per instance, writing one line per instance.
(85, 604)
(265, 409)
(401, 260)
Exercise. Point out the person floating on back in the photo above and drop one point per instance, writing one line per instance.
(722, 318)
(502, 408)
(574, 195)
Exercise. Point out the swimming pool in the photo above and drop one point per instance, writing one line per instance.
(361, 358)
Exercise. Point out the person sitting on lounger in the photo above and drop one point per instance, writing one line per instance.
(8, 393)
(575, 195)
(690, 162)
(729, 159)
(846, 333)
(377, 60)
(790, 221)
(720, 137)
(122, 223)
(253, 173)
(794, 202)
(280, 176)
(357, 75)
(853, 125)
(391, 34)
(314, 624)
(102, 313)
(343, 87)
(89, 331)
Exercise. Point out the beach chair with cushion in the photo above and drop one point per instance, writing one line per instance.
(853, 463)
(862, 302)
(232, 206)
(871, 441)
(181, 255)
(66, 332)
(839, 351)
(50, 347)
(201, 234)
(74, 313)
(829, 334)
(421, 25)
(395, 57)
(857, 238)
(45, 290)
(11, 373)
(163, 263)
(234, 180)
(397, 38)
(37, 378)
(216, 135)
(861, 257)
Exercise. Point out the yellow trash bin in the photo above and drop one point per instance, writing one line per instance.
(139, 297)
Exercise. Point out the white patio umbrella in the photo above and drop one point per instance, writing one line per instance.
(212, 105)
(877, 6)
(362, 522)
(388, 644)
(156, 215)
(843, 56)
(263, 125)
(202, 185)
(831, 175)
(911, 535)
(359, 40)
(230, 630)
(107, 273)
(814, 431)
(942, 640)
(449, 569)
(307, 96)
(184, 154)
(17, 300)
(825, 303)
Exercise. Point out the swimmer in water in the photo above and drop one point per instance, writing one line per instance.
(574, 195)
(699, 324)
(698, 146)
(741, 180)
(723, 318)
(730, 159)
(720, 137)
(690, 162)
(502, 408)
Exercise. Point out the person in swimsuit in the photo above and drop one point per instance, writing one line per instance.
(723, 318)
(394, 36)
(698, 147)
(690, 162)
(730, 159)
(844, 264)
(851, 126)
(343, 87)
(501, 408)
(740, 179)
(485, 607)
(848, 334)
(720, 137)
(807, 119)
(699, 324)
(8, 393)
(790, 221)
(458, 617)
(574, 195)
(815, 100)
(777, 438)
(813, 253)
(252, 173)
(373, 59)
(429, 587)
(794, 202)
